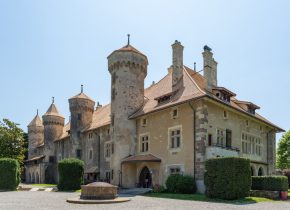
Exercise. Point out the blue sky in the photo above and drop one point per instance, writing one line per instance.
(49, 48)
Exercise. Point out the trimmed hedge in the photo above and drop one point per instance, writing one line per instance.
(271, 183)
(9, 174)
(227, 178)
(177, 183)
(70, 172)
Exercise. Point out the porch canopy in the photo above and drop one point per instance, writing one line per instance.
(141, 158)
(92, 170)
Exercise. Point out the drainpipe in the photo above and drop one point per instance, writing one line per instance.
(194, 137)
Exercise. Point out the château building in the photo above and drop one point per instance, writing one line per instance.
(146, 134)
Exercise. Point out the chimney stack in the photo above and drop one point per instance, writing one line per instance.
(209, 68)
(177, 62)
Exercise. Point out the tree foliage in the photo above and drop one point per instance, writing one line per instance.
(11, 141)
(283, 152)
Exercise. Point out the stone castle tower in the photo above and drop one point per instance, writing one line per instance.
(53, 128)
(35, 135)
(81, 109)
(128, 69)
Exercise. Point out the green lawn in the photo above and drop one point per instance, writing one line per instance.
(201, 197)
(44, 185)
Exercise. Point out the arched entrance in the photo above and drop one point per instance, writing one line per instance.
(33, 178)
(252, 171)
(260, 172)
(37, 178)
(145, 178)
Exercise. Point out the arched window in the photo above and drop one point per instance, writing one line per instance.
(37, 178)
(29, 179)
(260, 172)
(33, 178)
(252, 171)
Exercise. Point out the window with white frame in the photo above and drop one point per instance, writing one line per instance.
(144, 143)
(174, 170)
(251, 144)
(107, 150)
(220, 136)
(175, 138)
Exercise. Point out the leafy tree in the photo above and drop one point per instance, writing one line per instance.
(283, 152)
(12, 141)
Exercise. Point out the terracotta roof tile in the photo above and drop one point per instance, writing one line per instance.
(52, 110)
(82, 96)
(37, 121)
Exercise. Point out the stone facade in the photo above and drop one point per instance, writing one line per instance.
(145, 135)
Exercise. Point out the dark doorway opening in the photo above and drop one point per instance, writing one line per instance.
(145, 179)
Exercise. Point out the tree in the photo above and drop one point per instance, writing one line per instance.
(283, 152)
(12, 141)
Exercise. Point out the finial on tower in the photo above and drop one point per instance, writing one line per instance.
(194, 66)
(82, 88)
(128, 39)
(37, 112)
(52, 100)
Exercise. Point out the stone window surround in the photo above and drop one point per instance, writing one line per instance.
(107, 149)
(170, 166)
(140, 142)
(218, 136)
(259, 145)
(177, 127)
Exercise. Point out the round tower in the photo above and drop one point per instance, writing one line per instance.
(35, 135)
(81, 109)
(128, 69)
(53, 123)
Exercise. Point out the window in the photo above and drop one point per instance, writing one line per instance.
(113, 94)
(112, 119)
(90, 135)
(228, 138)
(144, 147)
(225, 114)
(108, 131)
(209, 138)
(79, 116)
(107, 150)
(175, 170)
(108, 176)
(175, 138)
(220, 136)
(79, 134)
(174, 113)
(51, 159)
(247, 122)
(91, 154)
(112, 174)
(251, 144)
(114, 77)
(112, 148)
(144, 122)
(59, 157)
(79, 153)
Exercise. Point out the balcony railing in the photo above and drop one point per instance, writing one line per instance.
(226, 147)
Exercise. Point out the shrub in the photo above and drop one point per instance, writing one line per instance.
(227, 178)
(177, 183)
(158, 188)
(287, 173)
(70, 174)
(9, 174)
(271, 183)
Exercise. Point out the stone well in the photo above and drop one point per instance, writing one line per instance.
(98, 191)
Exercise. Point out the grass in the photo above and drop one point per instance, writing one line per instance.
(289, 193)
(44, 185)
(201, 197)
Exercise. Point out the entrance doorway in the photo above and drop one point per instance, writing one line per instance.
(145, 179)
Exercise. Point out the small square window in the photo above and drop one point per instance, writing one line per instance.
(225, 114)
(174, 113)
(144, 122)
(79, 116)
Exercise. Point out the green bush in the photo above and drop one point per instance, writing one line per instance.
(271, 183)
(177, 183)
(158, 188)
(287, 173)
(9, 174)
(227, 178)
(70, 174)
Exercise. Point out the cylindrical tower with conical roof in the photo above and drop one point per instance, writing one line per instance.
(53, 123)
(128, 69)
(81, 108)
(35, 135)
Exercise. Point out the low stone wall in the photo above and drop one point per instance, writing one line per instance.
(275, 195)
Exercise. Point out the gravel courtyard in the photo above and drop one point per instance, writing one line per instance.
(23, 200)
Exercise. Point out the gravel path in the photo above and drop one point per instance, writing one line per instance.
(56, 201)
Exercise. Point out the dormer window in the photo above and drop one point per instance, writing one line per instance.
(223, 94)
(248, 106)
(165, 98)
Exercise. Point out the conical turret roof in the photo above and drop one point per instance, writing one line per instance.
(81, 96)
(36, 121)
(52, 110)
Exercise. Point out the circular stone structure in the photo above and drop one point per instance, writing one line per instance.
(98, 193)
